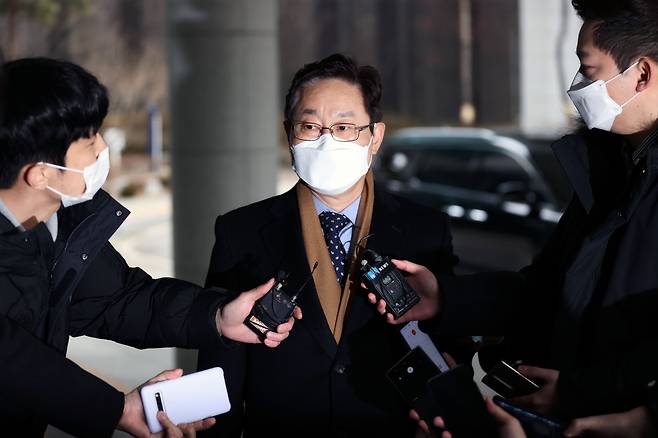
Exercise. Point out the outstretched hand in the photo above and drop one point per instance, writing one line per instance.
(426, 286)
(132, 420)
(230, 319)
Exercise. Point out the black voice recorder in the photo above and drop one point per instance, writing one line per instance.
(275, 307)
(381, 277)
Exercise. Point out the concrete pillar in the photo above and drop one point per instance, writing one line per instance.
(548, 36)
(223, 74)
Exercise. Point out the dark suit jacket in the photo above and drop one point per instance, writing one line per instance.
(309, 385)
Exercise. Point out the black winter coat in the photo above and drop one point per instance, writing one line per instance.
(609, 353)
(80, 285)
(312, 386)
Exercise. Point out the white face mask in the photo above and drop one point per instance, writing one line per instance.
(94, 175)
(593, 102)
(329, 166)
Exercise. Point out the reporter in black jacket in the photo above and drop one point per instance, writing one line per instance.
(586, 309)
(59, 275)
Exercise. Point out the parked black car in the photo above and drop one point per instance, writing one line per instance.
(504, 195)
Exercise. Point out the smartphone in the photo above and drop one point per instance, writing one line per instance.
(461, 405)
(508, 382)
(410, 376)
(535, 425)
(187, 399)
(411, 373)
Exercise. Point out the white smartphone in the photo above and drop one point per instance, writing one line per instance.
(187, 399)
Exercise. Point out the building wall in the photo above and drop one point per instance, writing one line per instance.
(496, 61)
(415, 45)
(548, 36)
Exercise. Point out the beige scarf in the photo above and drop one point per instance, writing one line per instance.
(335, 302)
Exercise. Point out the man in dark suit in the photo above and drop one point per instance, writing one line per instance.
(329, 377)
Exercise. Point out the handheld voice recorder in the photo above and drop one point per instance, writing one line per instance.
(275, 307)
(381, 277)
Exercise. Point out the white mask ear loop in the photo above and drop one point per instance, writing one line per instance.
(55, 191)
(621, 73)
(55, 166)
(631, 99)
(636, 93)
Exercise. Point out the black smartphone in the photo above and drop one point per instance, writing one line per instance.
(535, 425)
(410, 376)
(508, 382)
(460, 404)
(411, 373)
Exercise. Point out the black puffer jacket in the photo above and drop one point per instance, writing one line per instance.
(80, 285)
(587, 306)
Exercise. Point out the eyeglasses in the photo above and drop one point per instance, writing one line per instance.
(307, 131)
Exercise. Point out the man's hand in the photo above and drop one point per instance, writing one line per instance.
(133, 421)
(182, 430)
(508, 426)
(423, 429)
(230, 319)
(636, 423)
(545, 400)
(424, 283)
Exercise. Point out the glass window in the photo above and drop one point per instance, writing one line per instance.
(495, 169)
(452, 167)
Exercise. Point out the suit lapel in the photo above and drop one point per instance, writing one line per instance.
(388, 240)
(283, 240)
(388, 232)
